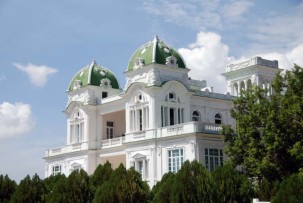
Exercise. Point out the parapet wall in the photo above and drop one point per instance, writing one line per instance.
(251, 62)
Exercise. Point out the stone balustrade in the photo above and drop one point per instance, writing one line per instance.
(168, 131)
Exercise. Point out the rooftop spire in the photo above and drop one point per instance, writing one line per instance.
(156, 38)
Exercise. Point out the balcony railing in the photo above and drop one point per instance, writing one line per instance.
(167, 131)
(112, 142)
(68, 148)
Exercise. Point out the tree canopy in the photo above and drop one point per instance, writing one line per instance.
(123, 186)
(268, 139)
(30, 190)
(7, 188)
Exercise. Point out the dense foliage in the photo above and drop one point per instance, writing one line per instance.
(232, 186)
(30, 190)
(123, 186)
(268, 141)
(7, 188)
(192, 183)
(291, 190)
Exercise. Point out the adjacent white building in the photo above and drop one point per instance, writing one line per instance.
(160, 119)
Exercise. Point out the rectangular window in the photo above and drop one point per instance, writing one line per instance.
(175, 160)
(140, 120)
(56, 170)
(78, 133)
(179, 116)
(109, 130)
(104, 95)
(139, 166)
(171, 116)
(213, 158)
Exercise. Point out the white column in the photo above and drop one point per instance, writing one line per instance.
(127, 120)
(147, 117)
(168, 116)
(133, 121)
(100, 128)
(136, 120)
(144, 118)
(74, 133)
(143, 169)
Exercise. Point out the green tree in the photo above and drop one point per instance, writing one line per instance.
(50, 183)
(59, 192)
(101, 175)
(268, 140)
(123, 186)
(7, 188)
(291, 190)
(162, 191)
(232, 186)
(266, 190)
(193, 183)
(73, 189)
(30, 190)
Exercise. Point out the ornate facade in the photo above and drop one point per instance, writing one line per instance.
(157, 121)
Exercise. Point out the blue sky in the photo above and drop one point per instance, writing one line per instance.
(44, 43)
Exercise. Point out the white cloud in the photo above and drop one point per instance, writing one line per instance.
(198, 15)
(15, 119)
(295, 55)
(252, 26)
(237, 8)
(207, 58)
(286, 59)
(38, 75)
(279, 32)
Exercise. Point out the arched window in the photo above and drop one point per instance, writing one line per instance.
(218, 119)
(139, 113)
(172, 112)
(77, 127)
(195, 116)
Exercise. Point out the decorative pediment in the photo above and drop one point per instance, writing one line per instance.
(139, 156)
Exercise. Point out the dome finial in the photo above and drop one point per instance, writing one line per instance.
(156, 38)
(93, 63)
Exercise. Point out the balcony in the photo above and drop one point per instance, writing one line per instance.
(168, 131)
(190, 127)
(66, 149)
(112, 142)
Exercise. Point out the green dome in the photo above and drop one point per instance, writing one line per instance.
(95, 75)
(155, 51)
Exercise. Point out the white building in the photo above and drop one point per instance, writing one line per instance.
(160, 119)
